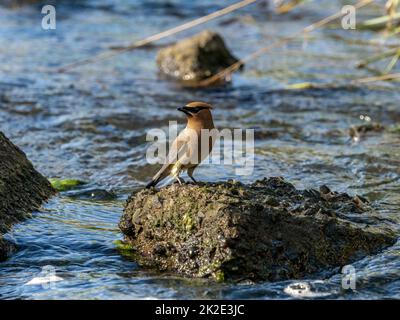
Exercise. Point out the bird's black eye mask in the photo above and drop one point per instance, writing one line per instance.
(196, 109)
(191, 111)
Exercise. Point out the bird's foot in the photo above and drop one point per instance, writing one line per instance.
(193, 180)
(179, 180)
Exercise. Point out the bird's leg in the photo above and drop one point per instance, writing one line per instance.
(190, 174)
(193, 179)
(180, 180)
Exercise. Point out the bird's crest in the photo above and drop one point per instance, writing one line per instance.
(196, 104)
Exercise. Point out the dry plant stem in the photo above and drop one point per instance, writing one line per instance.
(366, 42)
(391, 8)
(377, 57)
(379, 23)
(159, 36)
(236, 66)
(285, 8)
(392, 63)
(392, 76)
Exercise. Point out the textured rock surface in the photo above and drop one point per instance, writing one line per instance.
(357, 132)
(196, 58)
(19, 3)
(22, 189)
(264, 231)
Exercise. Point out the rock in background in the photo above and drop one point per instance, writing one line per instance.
(268, 230)
(22, 189)
(19, 3)
(196, 58)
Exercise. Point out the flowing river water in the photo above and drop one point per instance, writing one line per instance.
(91, 123)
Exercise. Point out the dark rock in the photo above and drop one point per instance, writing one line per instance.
(6, 249)
(22, 189)
(236, 232)
(18, 3)
(357, 132)
(196, 58)
(93, 194)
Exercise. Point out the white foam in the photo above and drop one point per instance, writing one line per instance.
(43, 280)
(303, 290)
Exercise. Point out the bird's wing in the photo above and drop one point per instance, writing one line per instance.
(188, 152)
(178, 148)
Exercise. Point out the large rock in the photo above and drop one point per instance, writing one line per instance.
(196, 58)
(268, 230)
(22, 189)
(18, 3)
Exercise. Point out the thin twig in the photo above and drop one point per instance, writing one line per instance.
(159, 36)
(377, 57)
(392, 63)
(365, 42)
(391, 76)
(237, 65)
(287, 7)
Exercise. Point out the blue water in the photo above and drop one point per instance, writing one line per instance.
(91, 124)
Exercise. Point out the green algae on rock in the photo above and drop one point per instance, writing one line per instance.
(267, 230)
(65, 184)
(196, 58)
(22, 189)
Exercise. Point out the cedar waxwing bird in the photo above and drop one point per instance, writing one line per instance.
(188, 150)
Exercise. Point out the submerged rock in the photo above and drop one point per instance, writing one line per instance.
(93, 194)
(268, 230)
(356, 132)
(22, 189)
(196, 58)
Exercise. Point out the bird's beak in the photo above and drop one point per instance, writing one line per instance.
(185, 111)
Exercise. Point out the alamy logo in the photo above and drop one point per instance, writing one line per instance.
(49, 20)
(349, 17)
(349, 277)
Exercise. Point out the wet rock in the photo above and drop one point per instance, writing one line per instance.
(22, 189)
(6, 249)
(196, 58)
(267, 230)
(357, 132)
(93, 194)
(18, 3)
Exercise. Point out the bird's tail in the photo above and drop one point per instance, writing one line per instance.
(163, 173)
(157, 178)
(152, 183)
